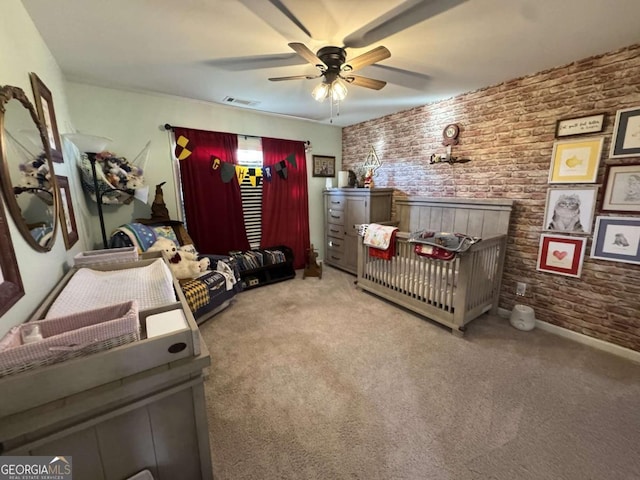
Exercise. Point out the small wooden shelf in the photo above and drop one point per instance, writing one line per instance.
(268, 274)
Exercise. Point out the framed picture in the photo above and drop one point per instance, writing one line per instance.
(626, 134)
(561, 255)
(578, 126)
(575, 161)
(47, 115)
(622, 188)
(570, 210)
(67, 217)
(11, 288)
(324, 166)
(617, 239)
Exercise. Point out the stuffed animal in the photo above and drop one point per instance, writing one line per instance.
(182, 265)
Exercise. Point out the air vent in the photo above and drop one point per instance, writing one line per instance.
(240, 101)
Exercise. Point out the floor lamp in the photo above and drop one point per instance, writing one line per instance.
(91, 145)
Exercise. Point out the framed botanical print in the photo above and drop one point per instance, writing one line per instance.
(47, 115)
(576, 161)
(561, 255)
(626, 134)
(570, 210)
(622, 188)
(617, 239)
(11, 288)
(67, 217)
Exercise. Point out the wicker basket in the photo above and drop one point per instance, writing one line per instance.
(111, 255)
(68, 337)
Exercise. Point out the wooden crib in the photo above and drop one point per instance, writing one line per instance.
(450, 292)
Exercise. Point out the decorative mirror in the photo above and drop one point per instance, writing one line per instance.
(28, 179)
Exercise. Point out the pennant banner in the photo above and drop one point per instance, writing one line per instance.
(181, 148)
(227, 171)
(215, 163)
(254, 175)
(267, 173)
(292, 160)
(241, 172)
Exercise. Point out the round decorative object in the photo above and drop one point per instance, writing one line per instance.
(450, 134)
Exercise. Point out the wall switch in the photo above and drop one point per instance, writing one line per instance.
(521, 289)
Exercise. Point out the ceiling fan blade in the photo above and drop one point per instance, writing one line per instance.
(237, 64)
(372, 56)
(302, 50)
(295, 77)
(278, 17)
(365, 82)
(403, 16)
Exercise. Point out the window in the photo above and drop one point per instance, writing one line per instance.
(250, 155)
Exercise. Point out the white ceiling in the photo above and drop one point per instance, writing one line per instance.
(212, 49)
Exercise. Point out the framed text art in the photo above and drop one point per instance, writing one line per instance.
(570, 210)
(575, 161)
(581, 125)
(617, 239)
(47, 115)
(626, 134)
(561, 255)
(622, 188)
(324, 166)
(67, 217)
(11, 289)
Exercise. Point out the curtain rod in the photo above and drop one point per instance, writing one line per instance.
(171, 127)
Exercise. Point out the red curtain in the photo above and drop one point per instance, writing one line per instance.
(285, 206)
(213, 208)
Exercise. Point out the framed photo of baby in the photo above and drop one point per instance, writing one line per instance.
(622, 188)
(570, 210)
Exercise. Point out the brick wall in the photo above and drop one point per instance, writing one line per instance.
(508, 132)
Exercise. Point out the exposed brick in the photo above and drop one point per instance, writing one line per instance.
(508, 131)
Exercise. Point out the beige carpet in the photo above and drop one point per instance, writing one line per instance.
(314, 379)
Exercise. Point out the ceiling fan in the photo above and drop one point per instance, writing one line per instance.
(333, 66)
(332, 60)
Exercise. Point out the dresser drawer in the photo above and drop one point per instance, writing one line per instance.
(335, 244)
(335, 256)
(335, 202)
(336, 231)
(335, 216)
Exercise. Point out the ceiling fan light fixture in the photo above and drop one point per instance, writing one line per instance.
(320, 92)
(338, 90)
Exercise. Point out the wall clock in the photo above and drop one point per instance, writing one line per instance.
(450, 134)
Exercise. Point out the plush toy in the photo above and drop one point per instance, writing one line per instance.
(181, 264)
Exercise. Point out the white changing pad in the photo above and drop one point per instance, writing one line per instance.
(88, 289)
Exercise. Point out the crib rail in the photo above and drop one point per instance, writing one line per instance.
(451, 292)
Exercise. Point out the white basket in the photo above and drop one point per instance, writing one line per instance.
(100, 257)
(75, 335)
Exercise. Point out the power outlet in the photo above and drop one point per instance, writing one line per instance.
(521, 289)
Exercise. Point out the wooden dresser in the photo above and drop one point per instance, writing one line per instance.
(344, 209)
(117, 412)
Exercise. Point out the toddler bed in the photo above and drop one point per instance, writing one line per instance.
(451, 292)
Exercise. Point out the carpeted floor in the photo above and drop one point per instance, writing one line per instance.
(314, 379)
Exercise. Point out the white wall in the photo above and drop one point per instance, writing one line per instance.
(133, 118)
(22, 50)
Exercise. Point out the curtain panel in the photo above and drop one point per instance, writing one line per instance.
(213, 208)
(285, 206)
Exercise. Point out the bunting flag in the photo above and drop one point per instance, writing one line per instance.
(292, 160)
(181, 148)
(281, 169)
(227, 171)
(241, 172)
(255, 174)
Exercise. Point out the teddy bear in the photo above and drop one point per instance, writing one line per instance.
(182, 265)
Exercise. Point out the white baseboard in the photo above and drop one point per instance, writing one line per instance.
(581, 338)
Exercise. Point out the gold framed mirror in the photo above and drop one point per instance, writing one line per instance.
(28, 179)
